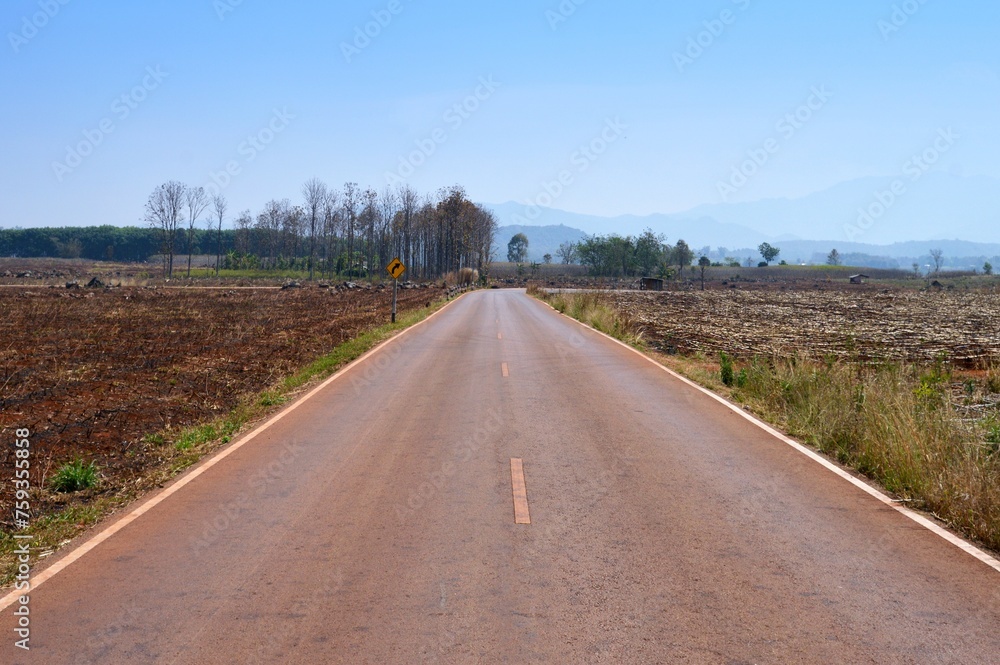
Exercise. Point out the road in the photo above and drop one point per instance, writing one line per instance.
(375, 523)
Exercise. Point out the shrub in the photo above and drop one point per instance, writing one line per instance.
(728, 374)
(993, 380)
(993, 434)
(75, 476)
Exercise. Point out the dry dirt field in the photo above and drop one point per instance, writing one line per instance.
(91, 373)
(962, 326)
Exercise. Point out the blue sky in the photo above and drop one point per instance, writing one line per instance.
(183, 90)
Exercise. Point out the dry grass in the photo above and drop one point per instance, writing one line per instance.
(462, 278)
(597, 310)
(897, 424)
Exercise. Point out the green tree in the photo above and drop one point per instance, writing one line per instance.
(703, 263)
(649, 251)
(622, 255)
(988, 268)
(768, 252)
(682, 256)
(833, 258)
(517, 248)
(547, 258)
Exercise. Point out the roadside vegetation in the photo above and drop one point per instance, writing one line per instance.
(596, 310)
(928, 433)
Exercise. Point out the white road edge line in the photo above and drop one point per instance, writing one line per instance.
(958, 542)
(76, 554)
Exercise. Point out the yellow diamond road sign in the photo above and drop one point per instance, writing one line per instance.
(396, 268)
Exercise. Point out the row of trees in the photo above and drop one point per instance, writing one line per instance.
(834, 258)
(628, 256)
(347, 232)
(108, 243)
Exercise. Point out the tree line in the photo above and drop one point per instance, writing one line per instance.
(98, 243)
(647, 254)
(345, 231)
(619, 256)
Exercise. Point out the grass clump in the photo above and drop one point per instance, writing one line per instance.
(75, 476)
(196, 436)
(728, 372)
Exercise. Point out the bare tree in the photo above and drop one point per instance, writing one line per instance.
(937, 256)
(388, 204)
(269, 223)
(409, 202)
(349, 206)
(243, 224)
(315, 194)
(196, 201)
(485, 234)
(567, 252)
(292, 222)
(164, 212)
(369, 220)
(331, 226)
(219, 208)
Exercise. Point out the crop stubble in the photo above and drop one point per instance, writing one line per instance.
(962, 327)
(91, 374)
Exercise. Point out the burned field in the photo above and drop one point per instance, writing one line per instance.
(95, 374)
(961, 327)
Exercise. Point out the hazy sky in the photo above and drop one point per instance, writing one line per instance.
(639, 107)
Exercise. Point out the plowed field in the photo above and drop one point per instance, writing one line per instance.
(92, 373)
(962, 327)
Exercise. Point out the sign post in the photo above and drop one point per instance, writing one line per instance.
(396, 270)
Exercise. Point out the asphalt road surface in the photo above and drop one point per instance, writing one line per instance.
(376, 523)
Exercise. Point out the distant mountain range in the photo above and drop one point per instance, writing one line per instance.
(867, 217)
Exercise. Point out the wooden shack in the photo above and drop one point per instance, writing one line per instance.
(650, 284)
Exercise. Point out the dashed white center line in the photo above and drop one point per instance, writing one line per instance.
(520, 492)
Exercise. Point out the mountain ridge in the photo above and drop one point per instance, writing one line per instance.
(872, 210)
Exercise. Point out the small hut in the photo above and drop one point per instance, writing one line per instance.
(650, 284)
(859, 279)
